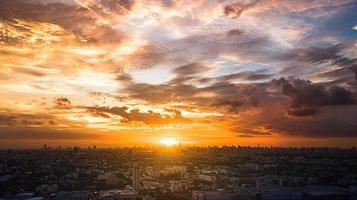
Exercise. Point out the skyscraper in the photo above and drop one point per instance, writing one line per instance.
(136, 178)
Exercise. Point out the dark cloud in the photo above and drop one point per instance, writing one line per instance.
(301, 112)
(303, 58)
(19, 119)
(236, 9)
(166, 93)
(168, 3)
(311, 110)
(354, 70)
(234, 32)
(246, 76)
(67, 16)
(124, 77)
(191, 69)
(315, 55)
(154, 93)
(232, 105)
(63, 103)
(340, 96)
(28, 71)
(38, 134)
(318, 55)
(305, 95)
(108, 8)
(100, 34)
(330, 121)
(340, 75)
(188, 72)
(33, 137)
(118, 4)
(20, 9)
(135, 115)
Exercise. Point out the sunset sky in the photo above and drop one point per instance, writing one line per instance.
(204, 72)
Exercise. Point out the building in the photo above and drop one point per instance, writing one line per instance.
(118, 195)
(178, 186)
(136, 178)
(207, 177)
(109, 178)
(214, 196)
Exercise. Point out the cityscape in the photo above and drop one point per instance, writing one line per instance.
(178, 99)
(179, 173)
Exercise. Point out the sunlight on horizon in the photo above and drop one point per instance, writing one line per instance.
(169, 142)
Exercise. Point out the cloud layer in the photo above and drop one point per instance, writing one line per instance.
(243, 70)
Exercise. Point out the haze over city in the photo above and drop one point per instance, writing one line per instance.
(170, 72)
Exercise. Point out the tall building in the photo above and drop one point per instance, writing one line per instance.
(136, 178)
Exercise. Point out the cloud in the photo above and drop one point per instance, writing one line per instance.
(188, 72)
(63, 103)
(28, 71)
(234, 32)
(106, 10)
(354, 70)
(314, 55)
(324, 124)
(38, 134)
(236, 9)
(135, 115)
(231, 104)
(101, 34)
(215, 92)
(20, 119)
(306, 95)
(340, 96)
(301, 112)
(311, 111)
(67, 16)
(246, 76)
(190, 69)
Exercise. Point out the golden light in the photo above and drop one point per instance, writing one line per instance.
(169, 142)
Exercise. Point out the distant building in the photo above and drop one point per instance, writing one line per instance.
(136, 178)
(207, 177)
(22, 196)
(214, 196)
(109, 178)
(178, 186)
(325, 192)
(118, 195)
(173, 170)
(281, 194)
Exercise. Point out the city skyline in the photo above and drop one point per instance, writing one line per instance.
(197, 73)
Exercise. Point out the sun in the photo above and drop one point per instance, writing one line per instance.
(169, 142)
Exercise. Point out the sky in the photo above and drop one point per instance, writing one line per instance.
(204, 72)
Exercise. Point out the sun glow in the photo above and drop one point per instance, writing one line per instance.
(169, 142)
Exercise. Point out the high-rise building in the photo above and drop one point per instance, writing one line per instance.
(136, 178)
